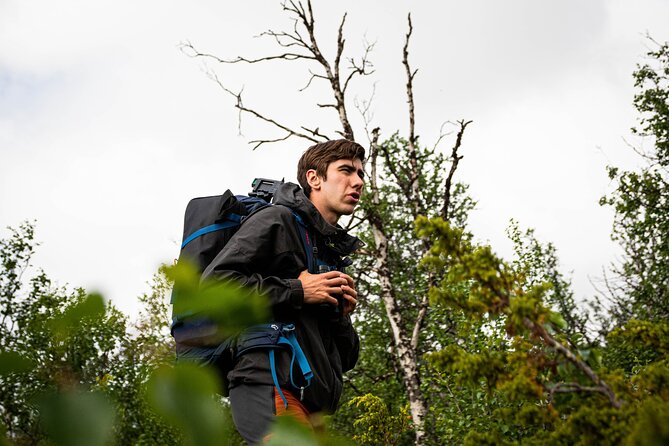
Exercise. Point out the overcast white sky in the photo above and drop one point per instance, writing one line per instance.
(107, 129)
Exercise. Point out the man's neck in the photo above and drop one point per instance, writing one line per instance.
(329, 217)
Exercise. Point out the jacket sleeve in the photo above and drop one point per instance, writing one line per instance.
(265, 239)
(347, 342)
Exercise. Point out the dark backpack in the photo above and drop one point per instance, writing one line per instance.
(209, 223)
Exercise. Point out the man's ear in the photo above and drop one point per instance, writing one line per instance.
(313, 179)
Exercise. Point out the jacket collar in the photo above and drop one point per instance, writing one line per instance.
(291, 195)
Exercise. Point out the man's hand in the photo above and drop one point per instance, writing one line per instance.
(319, 288)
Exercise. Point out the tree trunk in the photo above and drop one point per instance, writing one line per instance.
(405, 352)
(406, 355)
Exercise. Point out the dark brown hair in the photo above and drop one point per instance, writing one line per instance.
(319, 157)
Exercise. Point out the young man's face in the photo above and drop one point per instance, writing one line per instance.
(338, 194)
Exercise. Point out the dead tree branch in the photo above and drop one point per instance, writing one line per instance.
(188, 49)
(455, 159)
(313, 76)
(442, 135)
(364, 108)
(413, 187)
(302, 44)
(240, 106)
(333, 75)
(361, 68)
(373, 157)
(354, 223)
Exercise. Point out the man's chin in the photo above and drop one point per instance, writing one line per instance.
(342, 212)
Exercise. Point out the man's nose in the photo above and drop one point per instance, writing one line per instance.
(357, 182)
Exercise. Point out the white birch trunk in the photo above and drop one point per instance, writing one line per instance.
(406, 355)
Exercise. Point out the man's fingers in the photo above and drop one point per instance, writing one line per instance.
(336, 290)
(348, 291)
(336, 282)
(330, 274)
(349, 304)
(349, 279)
(350, 299)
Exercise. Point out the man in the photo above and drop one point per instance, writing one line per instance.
(268, 255)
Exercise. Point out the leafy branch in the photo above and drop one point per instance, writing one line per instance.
(496, 291)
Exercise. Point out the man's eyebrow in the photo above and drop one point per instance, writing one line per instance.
(347, 167)
(352, 168)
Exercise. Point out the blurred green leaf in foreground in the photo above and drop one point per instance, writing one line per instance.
(185, 397)
(77, 418)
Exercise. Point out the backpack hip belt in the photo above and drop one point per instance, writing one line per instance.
(270, 337)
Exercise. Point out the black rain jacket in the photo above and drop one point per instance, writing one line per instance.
(267, 255)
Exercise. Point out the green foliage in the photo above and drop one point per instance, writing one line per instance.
(375, 371)
(637, 344)
(473, 367)
(146, 346)
(652, 101)
(652, 427)
(376, 425)
(65, 340)
(12, 362)
(65, 325)
(226, 304)
(545, 380)
(538, 264)
(494, 287)
(68, 361)
(641, 204)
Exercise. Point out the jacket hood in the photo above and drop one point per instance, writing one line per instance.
(292, 196)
